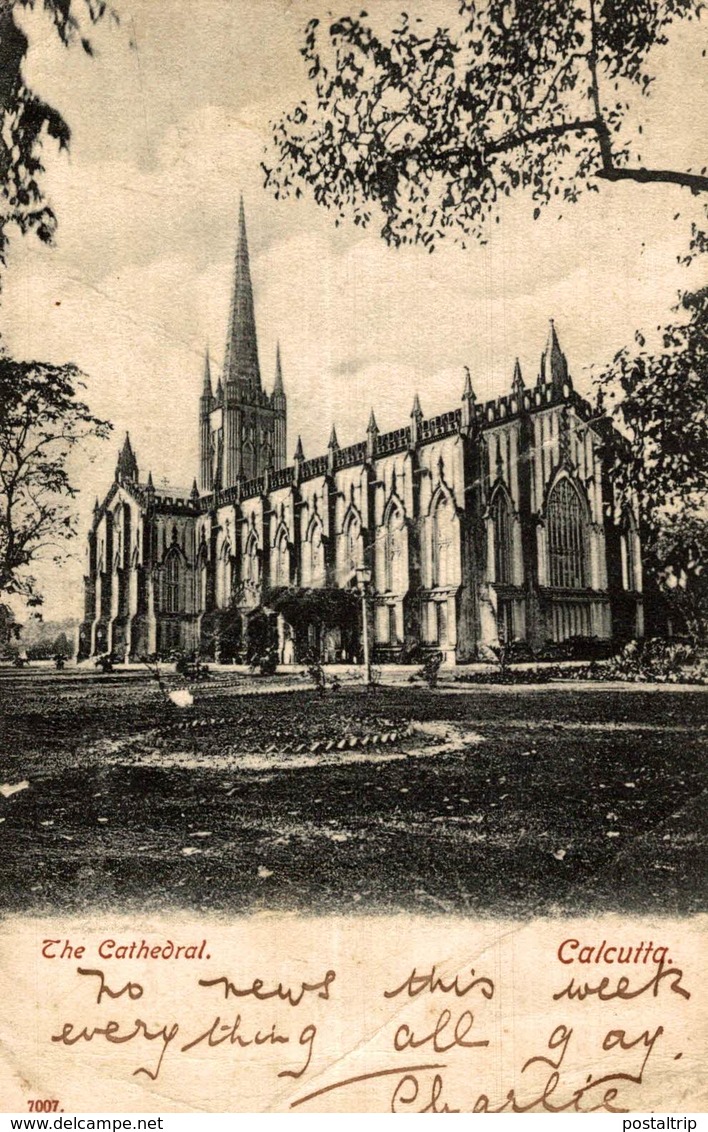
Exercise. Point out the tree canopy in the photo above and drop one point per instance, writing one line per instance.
(659, 455)
(26, 119)
(42, 420)
(432, 129)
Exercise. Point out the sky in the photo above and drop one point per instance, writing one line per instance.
(169, 120)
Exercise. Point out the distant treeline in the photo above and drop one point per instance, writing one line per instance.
(40, 640)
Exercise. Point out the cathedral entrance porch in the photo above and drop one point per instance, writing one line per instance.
(316, 624)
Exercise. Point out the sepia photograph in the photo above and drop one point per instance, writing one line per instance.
(353, 551)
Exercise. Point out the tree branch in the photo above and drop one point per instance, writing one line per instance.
(603, 132)
(557, 130)
(516, 140)
(693, 181)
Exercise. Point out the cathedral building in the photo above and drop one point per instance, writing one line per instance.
(492, 523)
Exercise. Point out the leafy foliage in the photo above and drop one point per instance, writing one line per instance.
(41, 422)
(430, 670)
(659, 458)
(9, 627)
(27, 120)
(326, 606)
(316, 672)
(650, 661)
(262, 643)
(679, 554)
(432, 129)
(698, 244)
(659, 660)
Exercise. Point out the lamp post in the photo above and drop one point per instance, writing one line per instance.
(363, 577)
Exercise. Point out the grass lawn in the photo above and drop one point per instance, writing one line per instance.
(508, 801)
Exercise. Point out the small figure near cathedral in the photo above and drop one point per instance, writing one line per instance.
(492, 523)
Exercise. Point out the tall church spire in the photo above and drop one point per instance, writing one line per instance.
(241, 356)
(280, 407)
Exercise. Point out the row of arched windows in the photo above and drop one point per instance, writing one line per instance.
(567, 536)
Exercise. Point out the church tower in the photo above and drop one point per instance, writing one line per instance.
(253, 422)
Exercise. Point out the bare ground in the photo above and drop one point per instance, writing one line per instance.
(515, 801)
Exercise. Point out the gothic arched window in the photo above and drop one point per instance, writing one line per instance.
(567, 536)
(352, 552)
(313, 558)
(443, 542)
(281, 559)
(630, 548)
(251, 571)
(172, 582)
(249, 460)
(394, 550)
(203, 578)
(224, 588)
(503, 526)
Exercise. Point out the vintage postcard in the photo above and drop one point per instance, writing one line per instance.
(353, 557)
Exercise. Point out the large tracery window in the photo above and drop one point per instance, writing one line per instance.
(502, 521)
(567, 536)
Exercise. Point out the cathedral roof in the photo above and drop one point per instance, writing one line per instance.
(164, 491)
(241, 356)
(167, 491)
